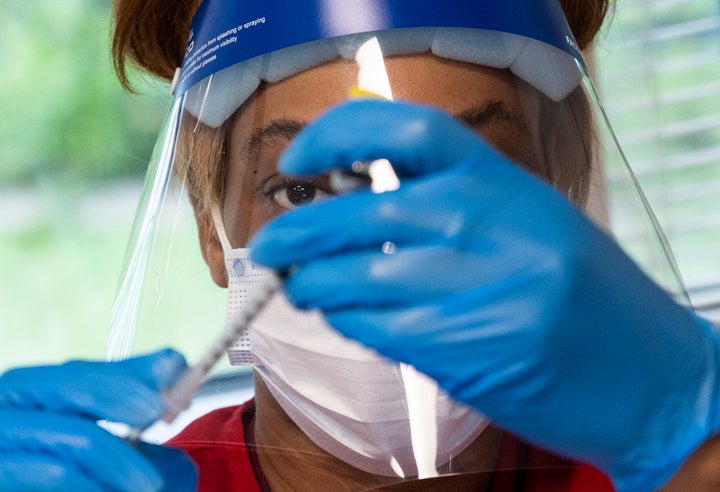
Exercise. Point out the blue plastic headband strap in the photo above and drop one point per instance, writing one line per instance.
(226, 32)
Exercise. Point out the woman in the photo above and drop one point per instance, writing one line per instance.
(516, 336)
(243, 186)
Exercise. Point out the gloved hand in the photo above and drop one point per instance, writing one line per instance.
(49, 439)
(500, 290)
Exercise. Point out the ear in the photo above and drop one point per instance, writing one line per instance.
(212, 251)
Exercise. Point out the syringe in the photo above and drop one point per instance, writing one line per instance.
(178, 397)
(377, 175)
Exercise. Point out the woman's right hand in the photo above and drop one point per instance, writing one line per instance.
(498, 288)
(50, 439)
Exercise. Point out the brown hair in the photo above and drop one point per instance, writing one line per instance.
(200, 162)
(150, 35)
(567, 131)
(586, 17)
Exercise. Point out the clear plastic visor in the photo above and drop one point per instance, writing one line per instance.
(362, 422)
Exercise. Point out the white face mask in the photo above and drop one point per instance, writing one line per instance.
(379, 416)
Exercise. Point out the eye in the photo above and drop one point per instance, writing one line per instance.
(291, 193)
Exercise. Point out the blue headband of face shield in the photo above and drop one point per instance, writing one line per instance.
(531, 38)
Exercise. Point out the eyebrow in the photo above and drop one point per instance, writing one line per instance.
(282, 129)
(493, 112)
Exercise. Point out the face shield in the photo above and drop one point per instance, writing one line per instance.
(254, 75)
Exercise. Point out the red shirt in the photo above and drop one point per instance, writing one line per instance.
(221, 445)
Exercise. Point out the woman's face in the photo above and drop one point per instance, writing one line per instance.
(493, 102)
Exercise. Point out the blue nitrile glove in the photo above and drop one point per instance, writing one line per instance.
(500, 290)
(49, 438)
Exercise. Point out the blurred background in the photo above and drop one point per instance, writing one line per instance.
(658, 71)
(74, 146)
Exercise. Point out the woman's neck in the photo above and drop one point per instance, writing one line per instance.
(291, 461)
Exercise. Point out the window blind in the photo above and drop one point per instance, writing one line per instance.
(658, 71)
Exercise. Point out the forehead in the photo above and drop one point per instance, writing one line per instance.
(412, 78)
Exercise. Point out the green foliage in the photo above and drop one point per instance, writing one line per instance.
(65, 116)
